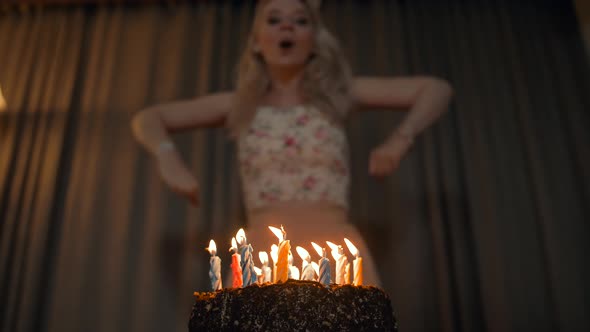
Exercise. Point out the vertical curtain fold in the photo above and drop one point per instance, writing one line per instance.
(482, 228)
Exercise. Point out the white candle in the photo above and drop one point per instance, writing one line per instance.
(259, 276)
(308, 272)
(294, 272)
(266, 271)
(347, 274)
(341, 262)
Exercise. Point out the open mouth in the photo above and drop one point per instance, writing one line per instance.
(286, 44)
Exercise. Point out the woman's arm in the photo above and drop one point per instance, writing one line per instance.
(152, 126)
(425, 98)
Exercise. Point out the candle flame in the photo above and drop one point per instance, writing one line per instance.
(263, 257)
(257, 270)
(278, 233)
(241, 236)
(316, 268)
(332, 246)
(234, 245)
(318, 249)
(335, 250)
(304, 254)
(353, 250)
(274, 253)
(212, 248)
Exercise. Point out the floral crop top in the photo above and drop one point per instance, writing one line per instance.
(293, 154)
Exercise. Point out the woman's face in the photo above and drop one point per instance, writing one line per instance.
(285, 34)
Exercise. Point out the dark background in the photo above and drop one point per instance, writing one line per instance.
(483, 228)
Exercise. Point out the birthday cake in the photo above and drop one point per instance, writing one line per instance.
(314, 303)
(295, 305)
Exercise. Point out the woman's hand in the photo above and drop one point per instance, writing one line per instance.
(386, 158)
(175, 174)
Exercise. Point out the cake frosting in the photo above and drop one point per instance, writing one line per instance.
(295, 305)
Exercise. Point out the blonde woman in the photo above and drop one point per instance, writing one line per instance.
(294, 91)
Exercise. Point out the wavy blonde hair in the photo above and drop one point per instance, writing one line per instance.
(325, 82)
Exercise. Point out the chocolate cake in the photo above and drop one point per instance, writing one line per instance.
(295, 305)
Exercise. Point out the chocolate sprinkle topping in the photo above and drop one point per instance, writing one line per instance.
(295, 305)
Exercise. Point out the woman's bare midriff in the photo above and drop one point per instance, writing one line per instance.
(307, 222)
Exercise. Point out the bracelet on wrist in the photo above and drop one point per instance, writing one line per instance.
(405, 136)
(165, 146)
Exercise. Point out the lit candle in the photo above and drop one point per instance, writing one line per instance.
(293, 272)
(307, 269)
(324, 266)
(347, 274)
(266, 272)
(248, 273)
(283, 254)
(258, 273)
(274, 254)
(316, 269)
(341, 262)
(358, 263)
(290, 261)
(235, 265)
(214, 267)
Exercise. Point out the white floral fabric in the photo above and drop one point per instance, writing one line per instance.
(293, 154)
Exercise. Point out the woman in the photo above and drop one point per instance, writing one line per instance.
(293, 92)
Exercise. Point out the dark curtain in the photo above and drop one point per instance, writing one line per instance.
(483, 228)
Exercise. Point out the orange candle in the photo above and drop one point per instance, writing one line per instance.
(283, 254)
(235, 265)
(274, 254)
(358, 263)
(358, 271)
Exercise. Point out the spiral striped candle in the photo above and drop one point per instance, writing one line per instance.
(248, 274)
(214, 267)
(325, 277)
(324, 274)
